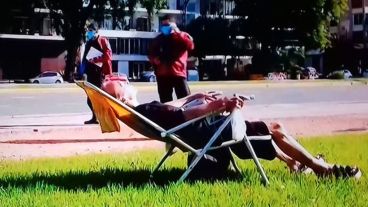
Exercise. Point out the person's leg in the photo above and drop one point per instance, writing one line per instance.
(93, 120)
(295, 151)
(290, 162)
(94, 76)
(165, 89)
(181, 87)
(266, 149)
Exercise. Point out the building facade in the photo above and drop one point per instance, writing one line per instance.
(34, 26)
(350, 37)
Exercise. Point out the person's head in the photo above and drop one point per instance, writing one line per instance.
(167, 25)
(92, 30)
(122, 91)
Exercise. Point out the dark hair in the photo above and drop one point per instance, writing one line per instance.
(168, 17)
(93, 26)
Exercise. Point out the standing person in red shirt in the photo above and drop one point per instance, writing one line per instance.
(96, 67)
(168, 54)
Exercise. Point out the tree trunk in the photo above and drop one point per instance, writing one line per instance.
(70, 63)
(131, 21)
(73, 41)
(149, 22)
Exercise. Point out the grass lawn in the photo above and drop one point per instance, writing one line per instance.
(123, 180)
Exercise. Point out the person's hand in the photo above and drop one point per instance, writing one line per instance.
(212, 96)
(233, 103)
(174, 28)
(206, 97)
(93, 60)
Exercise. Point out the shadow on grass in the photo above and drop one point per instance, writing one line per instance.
(80, 180)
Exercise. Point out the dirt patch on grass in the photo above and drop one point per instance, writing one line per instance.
(64, 142)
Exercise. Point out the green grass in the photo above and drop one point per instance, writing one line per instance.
(123, 180)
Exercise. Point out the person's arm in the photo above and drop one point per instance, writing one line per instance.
(153, 49)
(185, 39)
(202, 97)
(218, 106)
(106, 51)
(180, 102)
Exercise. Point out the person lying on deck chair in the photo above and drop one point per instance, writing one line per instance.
(281, 145)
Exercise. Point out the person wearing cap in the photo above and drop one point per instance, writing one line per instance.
(98, 64)
(168, 54)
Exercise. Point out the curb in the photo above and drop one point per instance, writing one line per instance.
(248, 83)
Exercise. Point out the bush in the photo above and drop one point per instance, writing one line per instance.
(336, 75)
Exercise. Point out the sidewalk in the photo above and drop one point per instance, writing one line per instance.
(200, 84)
(55, 126)
(25, 137)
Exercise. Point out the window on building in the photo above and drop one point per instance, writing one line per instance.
(136, 46)
(136, 68)
(357, 36)
(358, 19)
(191, 7)
(115, 64)
(142, 24)
(107, 23)
(356, 4)
(144, 46)
(113, 43)
(333, 23)
(229, 7)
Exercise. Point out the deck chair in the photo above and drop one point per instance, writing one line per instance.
(109, 110)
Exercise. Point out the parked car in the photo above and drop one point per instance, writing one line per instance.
(193, 74)
(149, 76)
(47, 77)
(347, 74)
(365, 73)
(340, 74)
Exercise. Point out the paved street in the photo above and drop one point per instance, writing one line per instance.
(283, 100)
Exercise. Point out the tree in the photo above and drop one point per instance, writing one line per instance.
(68, 17)
(276, 23)
(118, 13)
(151, 6)
(131, 5)
(210, 36)
(75, 14)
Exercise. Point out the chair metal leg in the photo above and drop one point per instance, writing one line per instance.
(168, 153)
(205, 149)
(255, 158)
(234, 165)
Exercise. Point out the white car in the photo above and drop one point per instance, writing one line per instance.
(345, 74)
(47, 77)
